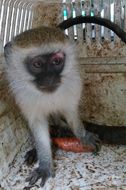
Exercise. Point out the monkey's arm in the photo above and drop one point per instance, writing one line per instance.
(94, 19)
(42, 140)
(86, 137)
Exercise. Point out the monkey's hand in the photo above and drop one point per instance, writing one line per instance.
(92, 140)
(39, 173)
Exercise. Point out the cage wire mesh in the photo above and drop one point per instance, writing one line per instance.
(16, 16)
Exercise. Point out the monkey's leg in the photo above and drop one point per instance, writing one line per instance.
(80, 132)
(57, 120)
(42, 140)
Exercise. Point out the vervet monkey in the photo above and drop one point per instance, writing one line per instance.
(41, 68)
(42, 72)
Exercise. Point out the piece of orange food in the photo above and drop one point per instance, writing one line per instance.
(72, 144)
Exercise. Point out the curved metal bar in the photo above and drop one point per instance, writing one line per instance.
(97, 20)
(30, 17)
(22, 17)
(4, 20)
(1, 14)
(14, 14)
(26, 16)
(9, 20)
(19, 17)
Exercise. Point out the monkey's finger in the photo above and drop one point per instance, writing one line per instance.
(26, 188)
(96, 141)
(97, 145)
(30, 187)
(45, 174)
(53, 174)
(44, 179)
(93, 140)
(33, 178)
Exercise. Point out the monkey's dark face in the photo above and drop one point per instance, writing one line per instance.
(47, 70)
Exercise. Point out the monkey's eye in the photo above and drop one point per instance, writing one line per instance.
(57, 61)
(37, 64)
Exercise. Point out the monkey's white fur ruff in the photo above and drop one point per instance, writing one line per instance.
(32, 100)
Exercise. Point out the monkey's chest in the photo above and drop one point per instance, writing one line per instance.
(52, 103)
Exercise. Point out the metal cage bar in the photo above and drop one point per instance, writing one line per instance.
(16, 16)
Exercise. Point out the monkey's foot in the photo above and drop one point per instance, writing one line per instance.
(37, 174)
(92, 140)
(31, 157)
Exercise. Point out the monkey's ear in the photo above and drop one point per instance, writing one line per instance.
(7, 50)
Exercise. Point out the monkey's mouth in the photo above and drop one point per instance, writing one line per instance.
(49, 88)
(48, 84)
